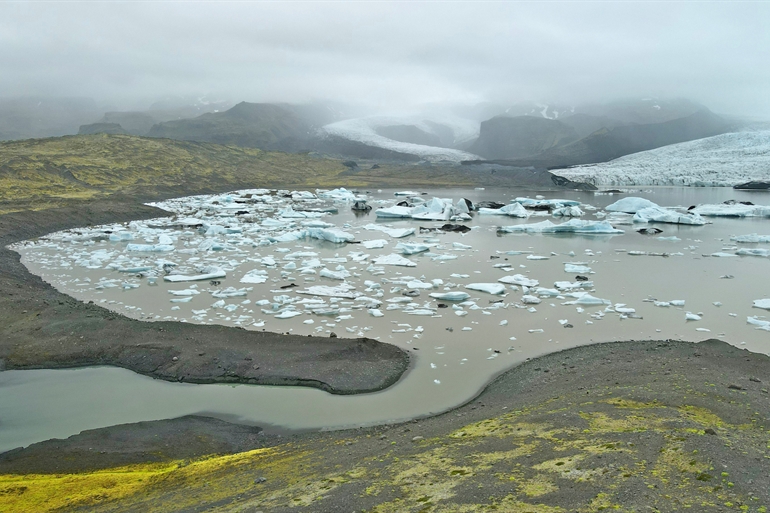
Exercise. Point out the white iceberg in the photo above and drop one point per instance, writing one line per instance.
(150, 248)
(396, 212)
(665, 215)
(490, 288)
(344, 291)
(512, 210)
(210, 274)
(751, 238)
(450, 296)
(254, 276)
(374, 244)
(630, 205)
(412, 249)
(571, 226)
(396, 233)
(753, 252)
(330, 234)
(762, 303)
(519, 279)
(394, 259)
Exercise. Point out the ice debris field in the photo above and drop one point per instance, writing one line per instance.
(466, 285)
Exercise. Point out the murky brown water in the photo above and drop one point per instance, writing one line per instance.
(450, 366)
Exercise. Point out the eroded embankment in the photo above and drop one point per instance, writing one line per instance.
(636, 426)
(42, 328)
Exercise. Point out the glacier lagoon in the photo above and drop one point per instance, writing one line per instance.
(638, 287)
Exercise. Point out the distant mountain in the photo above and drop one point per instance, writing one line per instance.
(36, 117)
(643, 111)
(504, 137)
(279, 127)
(610, 143)
(101, 128)
(607, 144)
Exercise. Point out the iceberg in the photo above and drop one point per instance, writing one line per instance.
(762, 303)
(751, 238)
(571, 226)
(396, 212)
(489, 288)
(630, 205)
(585, 299)
(412, 249)
(450, 296)
(664, 215)
(567, 212)
(340, 194)
(396, 233)
(330, 234)
(576, 268)
(344, 291)
(519, 279)
(737, 210)
(374, 244)
(394, 259)
(209, 274)
(150, 248)
(254, 276)
(753, 252)
(512, 210)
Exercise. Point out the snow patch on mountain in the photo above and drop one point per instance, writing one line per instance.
(720, 161)
(363, 130)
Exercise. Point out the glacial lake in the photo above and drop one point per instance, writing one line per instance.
(455, 350)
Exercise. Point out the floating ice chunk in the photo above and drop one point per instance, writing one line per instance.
(288, 314)
(230, 292)
(689, 316)
(543, 292)
(530, 300)
(664, 215)
(209, 274)
(184, 292)
(677, 302)
(630, 205)
(662, 304)
(181, 299)
(751, 238)
(702, 329)
(374, 244)
(334, 275)
(539, 201)
(407, 193)
(759, 323)
(394, 259)
(724, 210)
(537, 257)
(411, 249)
(375, 312)
(330, 234)
(753, 252)
(586, 299)
(762, 303)
(150, 248)
(519, 279)
(441, 258)
(576, 268)
(290, 213)
(394, 212)
(460, 245)
(461, 313)
(490, 288)
(572, 211)
(669, 239)
(255, 276)
(721, 254)
(504, 322)
(340, 194)
(121, 236)
(571, 226)
(417, 284)
(396, 233)
(343, 290)
(622, 308)
(512, 210)
(450, 296)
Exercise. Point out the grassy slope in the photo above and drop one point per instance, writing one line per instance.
(43, 173)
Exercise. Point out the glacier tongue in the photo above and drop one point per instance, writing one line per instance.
(723, 161)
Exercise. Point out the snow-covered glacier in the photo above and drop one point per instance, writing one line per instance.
(720, 161)
(363, 130)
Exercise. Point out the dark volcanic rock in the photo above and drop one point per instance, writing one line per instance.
(101, 128)
(520, 137)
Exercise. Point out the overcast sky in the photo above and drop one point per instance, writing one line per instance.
(390, 54)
